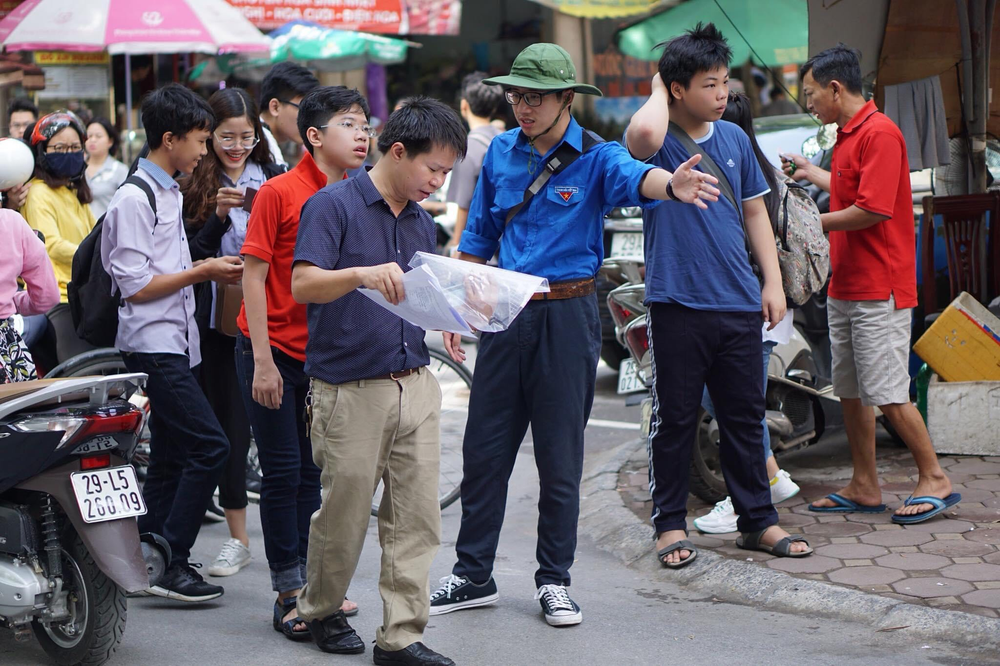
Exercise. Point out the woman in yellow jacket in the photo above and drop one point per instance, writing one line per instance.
(58, 205)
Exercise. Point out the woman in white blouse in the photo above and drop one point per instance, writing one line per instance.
(104, 172)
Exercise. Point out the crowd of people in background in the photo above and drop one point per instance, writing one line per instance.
(238, 279)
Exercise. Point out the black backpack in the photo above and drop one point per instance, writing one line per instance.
(93, 305)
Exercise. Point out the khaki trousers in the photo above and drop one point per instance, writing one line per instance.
(364, 432)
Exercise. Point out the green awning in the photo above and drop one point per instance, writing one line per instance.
(778, 30)
(324, 49)
(306, 42)
(602, 8)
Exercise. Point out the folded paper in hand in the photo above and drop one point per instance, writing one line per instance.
(447, 294)
(424, 304)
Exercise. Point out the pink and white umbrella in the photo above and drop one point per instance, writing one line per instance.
(130, 27)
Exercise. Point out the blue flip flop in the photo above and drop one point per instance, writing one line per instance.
(939, 506)
(845, 505)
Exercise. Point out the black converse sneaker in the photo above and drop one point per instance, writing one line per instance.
(458, 592)
(560, 610)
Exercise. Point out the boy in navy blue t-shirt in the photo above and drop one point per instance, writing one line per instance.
(705, 301)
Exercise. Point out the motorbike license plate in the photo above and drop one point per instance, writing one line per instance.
(108, 494)
(628, 378)
(627, 245)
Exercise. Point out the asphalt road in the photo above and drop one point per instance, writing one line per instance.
(629, 617)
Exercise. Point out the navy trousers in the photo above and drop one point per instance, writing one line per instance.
(692, 349)
(187, 450)
(540, 372)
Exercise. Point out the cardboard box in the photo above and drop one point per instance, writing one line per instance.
(963, 345)
(964, 417)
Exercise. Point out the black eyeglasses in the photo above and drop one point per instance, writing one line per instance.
(530, 98)
(286, 101)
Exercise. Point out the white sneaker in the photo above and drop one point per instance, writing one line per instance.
(559, 609)
(233, 557)
(782, 487)
(720, 520)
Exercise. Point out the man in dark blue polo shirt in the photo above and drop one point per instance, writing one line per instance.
(541, 371)
(375, 406)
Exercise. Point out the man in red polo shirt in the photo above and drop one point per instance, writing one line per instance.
(873, 287)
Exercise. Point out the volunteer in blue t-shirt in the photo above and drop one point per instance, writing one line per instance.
(705, 300)
(541, 371)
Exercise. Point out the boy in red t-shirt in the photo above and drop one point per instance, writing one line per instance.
(874, 285)
(271, 346)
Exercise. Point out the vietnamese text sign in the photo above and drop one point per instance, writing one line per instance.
(75, 83)
(416, 17)
(46, 58)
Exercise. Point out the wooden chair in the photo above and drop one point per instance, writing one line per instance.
(970, 226)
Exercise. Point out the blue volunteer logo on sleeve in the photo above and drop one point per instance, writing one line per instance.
(566, 192)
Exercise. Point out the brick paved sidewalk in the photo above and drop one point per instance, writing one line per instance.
(950, 562)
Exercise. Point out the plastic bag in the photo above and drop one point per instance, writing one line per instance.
(487, 298)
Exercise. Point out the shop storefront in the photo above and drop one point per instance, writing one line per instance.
(80, 82)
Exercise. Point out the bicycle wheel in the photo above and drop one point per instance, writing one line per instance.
(456, 385)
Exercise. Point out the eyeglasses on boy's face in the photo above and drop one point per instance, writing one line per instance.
(288, 102)
(351, 126)
(531, 98)
(230, 142)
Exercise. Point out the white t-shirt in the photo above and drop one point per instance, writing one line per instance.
(272, 143)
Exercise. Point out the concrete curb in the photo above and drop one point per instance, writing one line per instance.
(616, 530)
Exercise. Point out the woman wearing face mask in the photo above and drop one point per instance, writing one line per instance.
(104, 173)
(58, 205)
(215, 219)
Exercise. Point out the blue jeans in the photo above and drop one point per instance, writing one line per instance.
(187, 450)
(289, 489)
(706, 400)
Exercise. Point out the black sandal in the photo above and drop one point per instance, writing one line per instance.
(287, 627)
(783, 548)
(683, 544)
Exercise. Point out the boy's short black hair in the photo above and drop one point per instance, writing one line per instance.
(173, 108)
(422, 123)
(285, 81)
(701, 49)
(321, 104)
(483, 100)
(839, 63)
(21, 104)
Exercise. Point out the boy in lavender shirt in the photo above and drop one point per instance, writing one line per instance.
(146, 254)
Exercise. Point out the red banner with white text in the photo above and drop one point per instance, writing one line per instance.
(395, 17)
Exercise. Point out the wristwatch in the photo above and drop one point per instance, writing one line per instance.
(670, 190)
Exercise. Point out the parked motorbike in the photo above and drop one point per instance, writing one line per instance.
(624, 264)
(70, 550)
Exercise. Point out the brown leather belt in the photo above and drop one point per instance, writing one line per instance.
(567, 289)
(396, 376)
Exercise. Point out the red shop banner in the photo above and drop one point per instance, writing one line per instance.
(394, 17)
(7, 6)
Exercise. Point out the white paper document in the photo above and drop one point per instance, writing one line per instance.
(424, 304)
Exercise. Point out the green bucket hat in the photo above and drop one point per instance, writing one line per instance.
(543, 67)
